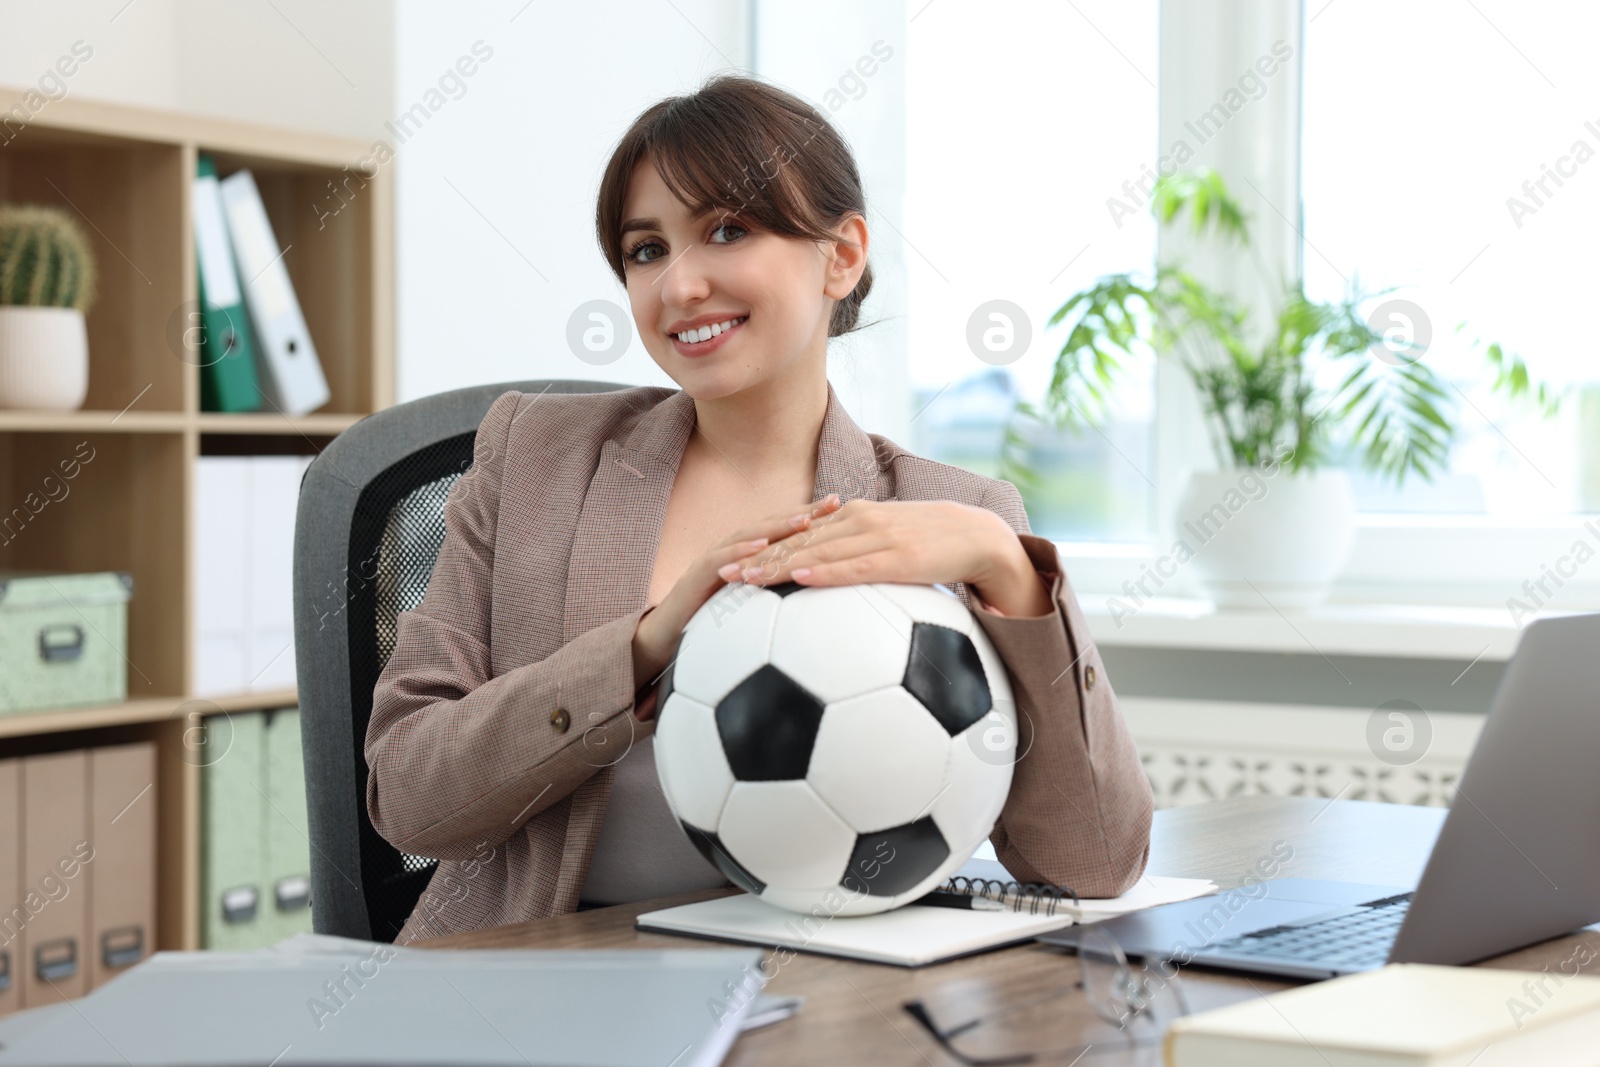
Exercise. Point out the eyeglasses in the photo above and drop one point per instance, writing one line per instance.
(1140, 1002)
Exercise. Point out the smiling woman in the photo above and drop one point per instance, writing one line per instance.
(591, 527)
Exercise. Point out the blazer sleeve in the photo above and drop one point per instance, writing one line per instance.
(1080, 806)
(458, 758)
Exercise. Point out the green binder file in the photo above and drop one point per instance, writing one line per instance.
(227, 348)
(233, 800)
(286, 900)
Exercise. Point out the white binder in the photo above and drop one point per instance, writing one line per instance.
(212, 245)
(292, 377)
(244, 539)
(274, 498)
(222, 568)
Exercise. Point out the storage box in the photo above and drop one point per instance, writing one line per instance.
(63, 639)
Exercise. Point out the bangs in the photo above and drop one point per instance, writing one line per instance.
(713, 165)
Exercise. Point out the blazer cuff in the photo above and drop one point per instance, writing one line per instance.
(1038, 648)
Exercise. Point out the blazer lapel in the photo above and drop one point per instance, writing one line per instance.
(619, 529)
(847, 461)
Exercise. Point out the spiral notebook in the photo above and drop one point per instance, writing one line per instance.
(918, 934)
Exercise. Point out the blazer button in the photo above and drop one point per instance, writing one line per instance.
(1088, 677)
(560, 720)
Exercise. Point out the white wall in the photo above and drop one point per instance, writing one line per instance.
(848, 60)
(496, 186)
(497, 189)
(322, 67)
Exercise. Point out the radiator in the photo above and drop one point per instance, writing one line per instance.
(1198, 750)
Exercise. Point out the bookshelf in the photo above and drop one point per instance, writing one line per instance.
(126, 173)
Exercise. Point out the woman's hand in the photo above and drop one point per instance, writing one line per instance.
(918, 542)
(655, 640)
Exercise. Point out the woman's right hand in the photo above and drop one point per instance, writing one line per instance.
(655, 640)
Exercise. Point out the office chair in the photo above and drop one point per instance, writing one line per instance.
(367, 533)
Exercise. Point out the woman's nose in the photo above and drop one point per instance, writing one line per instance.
(683, 282)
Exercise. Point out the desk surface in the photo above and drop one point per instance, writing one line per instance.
(853, 1010)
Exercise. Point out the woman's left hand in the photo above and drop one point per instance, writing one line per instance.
(912, 541)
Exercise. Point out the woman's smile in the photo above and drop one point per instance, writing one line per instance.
(707, 338)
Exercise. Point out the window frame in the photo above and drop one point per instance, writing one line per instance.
(1397, 558)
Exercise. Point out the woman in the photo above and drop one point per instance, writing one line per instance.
(511, 729)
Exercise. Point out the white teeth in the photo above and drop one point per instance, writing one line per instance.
(705, 333)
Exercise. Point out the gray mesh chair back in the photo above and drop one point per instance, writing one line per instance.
(368, 531)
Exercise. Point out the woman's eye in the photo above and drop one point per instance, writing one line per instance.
(635, 254)
(729, 226)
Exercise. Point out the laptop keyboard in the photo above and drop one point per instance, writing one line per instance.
(1361, 939)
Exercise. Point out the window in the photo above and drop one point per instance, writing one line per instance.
(1455, 149)
(1012, 154)
(1437, 146)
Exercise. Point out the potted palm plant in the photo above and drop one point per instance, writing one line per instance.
(47, 282)
(1322, 384)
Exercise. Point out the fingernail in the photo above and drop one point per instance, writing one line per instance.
(728, 571)
(798, 520)
(760, 542)
(800, 573)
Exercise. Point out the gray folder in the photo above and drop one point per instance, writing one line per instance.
(516, 1007)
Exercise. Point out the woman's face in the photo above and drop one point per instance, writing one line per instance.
(685, 273)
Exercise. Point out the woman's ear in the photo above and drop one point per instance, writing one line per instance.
(847, 257)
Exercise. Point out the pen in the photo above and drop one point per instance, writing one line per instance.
(961, 900)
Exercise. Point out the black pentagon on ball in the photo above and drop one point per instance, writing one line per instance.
(711, 848)
(784, 588)
(946, 675)
(889, 862)
(768, 725)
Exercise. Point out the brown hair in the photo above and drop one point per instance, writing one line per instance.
(744, 146)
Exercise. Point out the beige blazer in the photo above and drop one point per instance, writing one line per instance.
(509, 696)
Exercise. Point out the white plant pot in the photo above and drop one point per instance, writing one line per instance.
(44, 358)
(1267, 541)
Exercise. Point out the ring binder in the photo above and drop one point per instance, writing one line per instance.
(1036, 897)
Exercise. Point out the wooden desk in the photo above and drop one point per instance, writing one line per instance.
(852, 1012)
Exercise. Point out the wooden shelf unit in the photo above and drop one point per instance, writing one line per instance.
(126, 173)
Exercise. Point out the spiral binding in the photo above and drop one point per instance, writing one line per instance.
(1035, 896)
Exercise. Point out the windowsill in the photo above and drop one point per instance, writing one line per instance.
(1408, 591)
(1399, 630)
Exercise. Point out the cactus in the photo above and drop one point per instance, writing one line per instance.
(44, 258)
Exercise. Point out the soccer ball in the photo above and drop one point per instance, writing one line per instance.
(842, 747)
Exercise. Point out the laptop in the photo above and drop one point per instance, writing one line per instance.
(1516, 862)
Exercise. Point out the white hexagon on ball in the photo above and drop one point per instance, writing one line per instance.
(784, 834)
(841, 641)
(930, 603)
(725, 641)
(978, 778)
(879, 759)
(690, 762)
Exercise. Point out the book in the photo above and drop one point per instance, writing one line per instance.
(909, 936)
(918, 933)
(1403, 1015)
